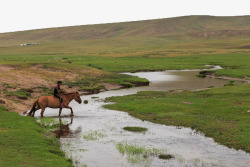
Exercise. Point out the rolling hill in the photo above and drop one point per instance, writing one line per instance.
(188, 32)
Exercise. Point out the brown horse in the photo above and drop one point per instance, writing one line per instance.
(53, 102)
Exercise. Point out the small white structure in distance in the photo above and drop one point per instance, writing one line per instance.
(26, 44)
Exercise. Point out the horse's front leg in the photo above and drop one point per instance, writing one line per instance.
(43, 109)
(60, 111)
(72, 114)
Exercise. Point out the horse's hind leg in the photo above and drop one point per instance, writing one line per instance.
(43, 109)
(33, 111)
(60, 111)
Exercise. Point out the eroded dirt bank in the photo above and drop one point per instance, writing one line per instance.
(20, 85)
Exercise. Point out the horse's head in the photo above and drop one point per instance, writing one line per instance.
(77, 97)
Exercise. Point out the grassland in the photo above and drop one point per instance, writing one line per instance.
(235, 64)
(88, 73)
(88, 57)
(24, 143)
(220, 113)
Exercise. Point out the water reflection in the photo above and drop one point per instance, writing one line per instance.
(65, 131)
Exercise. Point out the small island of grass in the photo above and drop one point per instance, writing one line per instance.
(135, 129)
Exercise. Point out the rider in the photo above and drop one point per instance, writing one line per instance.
(58, 91)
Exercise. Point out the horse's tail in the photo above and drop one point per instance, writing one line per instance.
(33, 109)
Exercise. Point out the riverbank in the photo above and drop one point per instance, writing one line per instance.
(220, 113)
(24, 142)
(22, 79)
(21, 84)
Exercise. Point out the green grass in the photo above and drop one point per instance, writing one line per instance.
(93, 135)
(135, 129)
(230, 83)
(92, 82)
(24, 143)
(220, 113)
(21, 94)
(234, 64)
(136, 153)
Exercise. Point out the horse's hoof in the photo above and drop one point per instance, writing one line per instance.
(71, 115)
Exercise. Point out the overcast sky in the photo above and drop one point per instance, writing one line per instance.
(16, 15)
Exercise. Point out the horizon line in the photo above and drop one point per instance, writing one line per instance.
(66, 26)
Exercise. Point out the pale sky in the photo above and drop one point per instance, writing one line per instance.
(17, 15)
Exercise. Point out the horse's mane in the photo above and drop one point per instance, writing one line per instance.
(68, 93)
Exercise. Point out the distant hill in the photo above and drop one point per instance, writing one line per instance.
(187, 29)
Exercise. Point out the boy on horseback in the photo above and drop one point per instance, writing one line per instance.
(58, 91)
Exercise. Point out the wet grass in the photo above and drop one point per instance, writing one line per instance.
(136, 153)
(135, 129)
(51, 123)
(24, 142)
(220, 113)
(93, 135)
(165, 156)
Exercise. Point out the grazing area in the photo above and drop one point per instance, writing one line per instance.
(220, 113)
(93, 59)
(24, 142)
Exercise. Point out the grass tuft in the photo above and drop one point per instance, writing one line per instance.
(135, 129)
(136, 153)
(165, 156)
(93, 135)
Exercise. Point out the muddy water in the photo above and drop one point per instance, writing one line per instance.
(91, 136)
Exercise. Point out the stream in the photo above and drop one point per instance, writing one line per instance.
(92, 136)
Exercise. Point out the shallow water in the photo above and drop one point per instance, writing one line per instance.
(189, 148)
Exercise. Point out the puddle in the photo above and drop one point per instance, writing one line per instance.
(105, 127)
